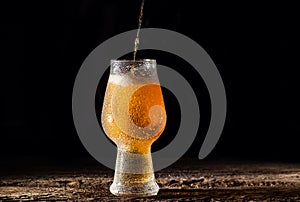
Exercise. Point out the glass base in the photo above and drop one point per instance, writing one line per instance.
(134, 175)
(136, 189)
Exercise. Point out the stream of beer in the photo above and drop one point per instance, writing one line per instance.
(137, 38)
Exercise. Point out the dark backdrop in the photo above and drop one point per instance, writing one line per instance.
(253, 46)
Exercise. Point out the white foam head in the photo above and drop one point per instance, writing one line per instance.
(123, 80)
(128, 79)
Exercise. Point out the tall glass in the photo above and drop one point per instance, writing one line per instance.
(133, 116)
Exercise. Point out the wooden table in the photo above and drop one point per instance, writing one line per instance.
(187, 180)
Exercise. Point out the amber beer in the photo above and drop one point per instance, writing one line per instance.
(133, 116)
(138, 108)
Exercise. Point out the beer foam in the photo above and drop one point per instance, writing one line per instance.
(120, 80)
(126, 80)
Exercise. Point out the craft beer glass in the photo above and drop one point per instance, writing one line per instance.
(133, 116)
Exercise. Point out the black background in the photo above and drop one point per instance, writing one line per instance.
(253, 45)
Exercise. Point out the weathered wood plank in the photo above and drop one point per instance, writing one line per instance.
(208, 181)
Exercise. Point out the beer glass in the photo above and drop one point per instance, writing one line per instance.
(133, 116)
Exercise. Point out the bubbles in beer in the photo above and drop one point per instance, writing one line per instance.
(133, 112)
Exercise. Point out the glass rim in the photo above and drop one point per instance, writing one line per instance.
(131, 60)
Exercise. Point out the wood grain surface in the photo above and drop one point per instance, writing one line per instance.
(186, 180)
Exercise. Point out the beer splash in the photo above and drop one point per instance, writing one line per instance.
(137, 38)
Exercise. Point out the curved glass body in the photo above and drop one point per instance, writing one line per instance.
(133, 116)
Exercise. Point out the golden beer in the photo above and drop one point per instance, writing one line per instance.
(133, 116)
